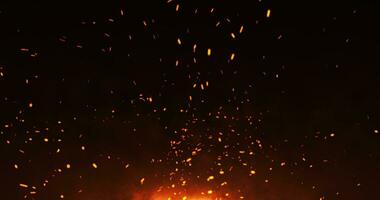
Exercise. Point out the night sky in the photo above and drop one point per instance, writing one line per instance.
(189, 100)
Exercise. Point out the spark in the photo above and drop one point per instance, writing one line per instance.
(94, 165)
(232, 57)
(209, 52)
(23, 185)
(268, 13)
(142, 180)
(241, 29)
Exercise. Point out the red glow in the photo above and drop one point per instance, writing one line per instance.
(160, 195)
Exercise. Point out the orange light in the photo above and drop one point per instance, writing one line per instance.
(184, 197)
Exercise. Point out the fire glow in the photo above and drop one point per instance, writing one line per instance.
(194, 197)
(208, 195)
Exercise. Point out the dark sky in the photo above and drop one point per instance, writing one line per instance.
(145, 100)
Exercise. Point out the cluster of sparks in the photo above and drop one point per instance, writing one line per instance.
(212, 144)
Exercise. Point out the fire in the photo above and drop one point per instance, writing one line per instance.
(203, 196)
(208, 195)
(183, 191)
(186, 198)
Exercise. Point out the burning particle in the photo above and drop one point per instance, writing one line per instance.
(194, 47)
(24, 49)
(209, 192)
(177, 8)
(142, 181)
(233, 36)
(241, 29)
(209, 52)
(68, 166)
(30, 105)
(268, 13)
(46, 139)
(376, 131)
(94, 165)
(16, 166)
(23, 185)
(61, 196)
(210, 178)
(253, 172)
(179, 41)
(232, 57)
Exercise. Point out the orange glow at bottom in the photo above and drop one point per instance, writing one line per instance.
(169, 196)
(185, 193)
(204, 195)
(186, 198)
